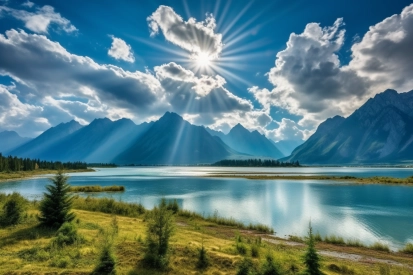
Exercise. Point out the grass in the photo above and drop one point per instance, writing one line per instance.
(28, 248)
(5, 176)
(370, 180)
(408, 249)
(380, 247)
(96, 188)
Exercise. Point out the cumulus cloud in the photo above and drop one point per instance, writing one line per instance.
(28, 4)
(40, 20)
(44, 66)
(188, 93)
(17, 116)
(121, 50)
(287, 130)
(384, 54)
(195, 37)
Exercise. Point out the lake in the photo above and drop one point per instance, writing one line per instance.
(368, 213)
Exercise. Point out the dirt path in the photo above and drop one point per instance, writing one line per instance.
(342, 255)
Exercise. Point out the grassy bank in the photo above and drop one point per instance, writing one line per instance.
(96, 188)
(28, 249)
(6, 176)
(351, 179)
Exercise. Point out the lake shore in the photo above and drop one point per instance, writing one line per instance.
(287, 176)
(26, 247)
(12, 176)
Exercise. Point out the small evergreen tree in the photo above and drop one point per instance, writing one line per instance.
(203, 260)
(107, 262)
(56, 204)
(13, 209)
(311, 258)
(160, 229)
(270, 267)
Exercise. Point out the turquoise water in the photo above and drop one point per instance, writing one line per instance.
(368, 213)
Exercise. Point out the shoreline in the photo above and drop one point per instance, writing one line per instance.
(13, 176)
(350, 179)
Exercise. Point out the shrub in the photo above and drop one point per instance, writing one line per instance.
(107, 262)
(255, 251)
(67, 235)
(13, 209)
(246, 267)
(108, 205)
(241, 248)
(270, 267)
(56, 204)
(160, 229)
(408, 249)
(380, 247)
(203, 260)
(333, 239)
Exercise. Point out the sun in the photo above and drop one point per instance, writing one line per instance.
(203, 59)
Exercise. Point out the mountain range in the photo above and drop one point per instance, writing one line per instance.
(379, 132)
(169, 141)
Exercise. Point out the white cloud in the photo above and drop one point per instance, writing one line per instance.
(195, 37)
(121, 50)
(40, 20)
(28, 4)
(384, 54)
(288, 130)
(187, 93)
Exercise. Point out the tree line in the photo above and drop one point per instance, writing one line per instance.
(256, 163)
(15, 164)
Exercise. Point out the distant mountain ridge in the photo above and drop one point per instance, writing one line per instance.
(169, 141)
(10, 140)
(380, 131)
(251, 143)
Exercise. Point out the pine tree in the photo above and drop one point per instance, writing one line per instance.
(311, 258)
(56, 204)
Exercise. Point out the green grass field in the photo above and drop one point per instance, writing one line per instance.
(28, 249)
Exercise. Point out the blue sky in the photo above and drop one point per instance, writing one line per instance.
(280, 67)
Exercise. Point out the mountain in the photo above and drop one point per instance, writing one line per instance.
(10, 140)
(40, 147)
(380, 131)
(251, 143)
(172, 140)
(287, 146)
(100, 141)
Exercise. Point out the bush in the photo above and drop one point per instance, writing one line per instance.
(97, 188)
(255, 251)
(333, 239)
(408, 249)
(160, 229)
(270, 267)
(203, 260)
(380, 247)
(13, 209)
(246, 267)
(107, 205)
(107, 262)
(67, 235)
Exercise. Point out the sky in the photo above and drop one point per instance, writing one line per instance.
(279, 67)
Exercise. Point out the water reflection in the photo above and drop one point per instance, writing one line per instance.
(368, 213)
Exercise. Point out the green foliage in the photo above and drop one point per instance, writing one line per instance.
(160, 229)
(107, 205)
(408, 249)
(13, 209)
(256, 163)
(333, 239)
(380, 247)
(56, 204)
(15, 164)
(67, 235)
(311, 258)
(203, 259)
(255, 251)
(107, 261)
(246, 267)
(97, 188)
(270, 267)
